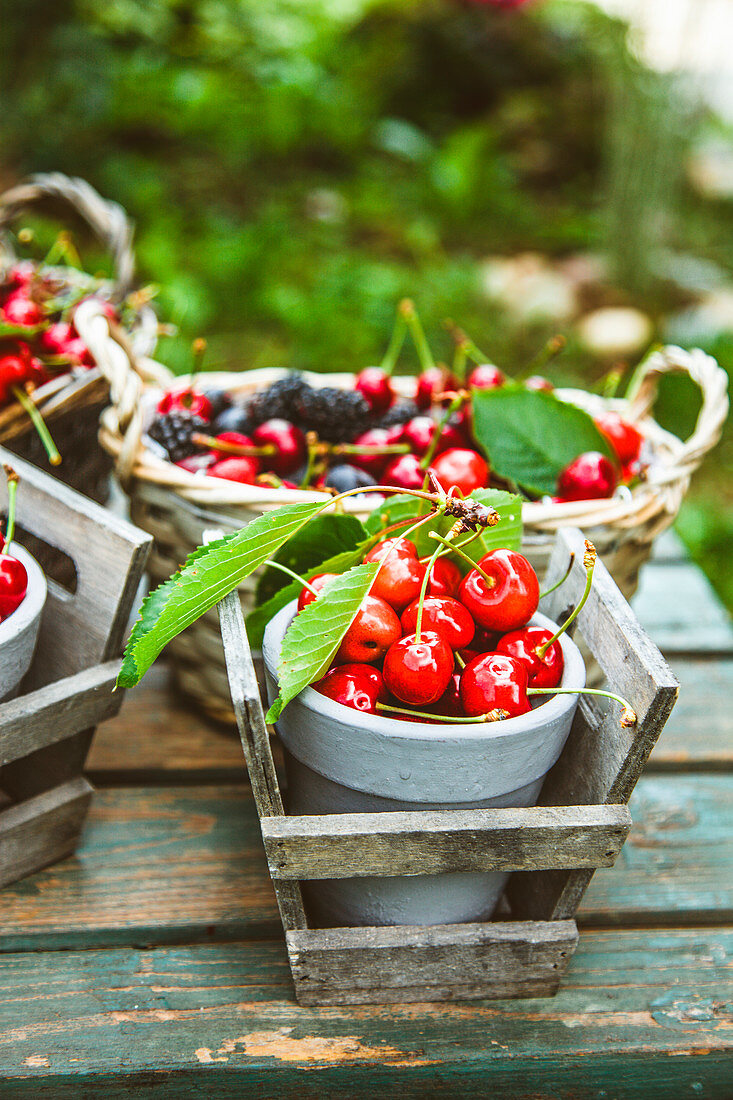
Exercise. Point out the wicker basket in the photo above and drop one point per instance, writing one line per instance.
(177, 507)
(71, 404)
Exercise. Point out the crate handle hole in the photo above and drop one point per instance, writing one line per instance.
(55, 563)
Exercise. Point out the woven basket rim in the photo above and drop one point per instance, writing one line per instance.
(660, 496)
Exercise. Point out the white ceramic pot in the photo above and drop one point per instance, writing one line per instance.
(342, 761)
(19, 632)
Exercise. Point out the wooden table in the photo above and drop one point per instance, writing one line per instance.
(153, 961)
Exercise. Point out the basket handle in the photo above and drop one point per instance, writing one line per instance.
(127, 374)
(107, 219)
(713, 383)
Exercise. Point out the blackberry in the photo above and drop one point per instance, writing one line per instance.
(279, 400)
(337, 416)
(174, 431)
(400, 413)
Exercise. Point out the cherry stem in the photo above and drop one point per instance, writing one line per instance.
(424, 354)
(589, 562)
(198, 349)
(394, 348)
(490, 716)
(227, 448)
(459, 661)
(366, 449)
(12, 491)
(460, 357)
(435, 440)
(469, 561)
(545, 355)
(423, 590)
(313, 453)
(39, 424)
(628, 718)
(295, 576)
(62, 249)
(562, 579)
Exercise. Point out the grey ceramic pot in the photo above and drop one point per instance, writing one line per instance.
(342, 761)
(19, 632)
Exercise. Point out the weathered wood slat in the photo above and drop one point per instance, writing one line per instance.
(182, 865)
(602, 760)
(42, 830)
(699, 733)
(51, 714)
(443, 963)
(639, 1016)
(681, 611)
(256, 741)
(108, 555)
(425, 842)
(187, 747)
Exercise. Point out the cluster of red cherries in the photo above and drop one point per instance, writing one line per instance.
(450, 647)
(13, 574)
(44, 343)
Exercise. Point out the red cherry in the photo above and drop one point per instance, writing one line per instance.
(318, 582)
(372, 632)
(21, 310)
(539, 384)
(420, 432)
(399, 580)
(395, 547)
(13, 584)
(591, 476)
(375, 437)
(418, 672)
(494, 681)
(511, 600)
(14, 370)
(185, 398)
(358, 686)
(404, 472)
(21, 274)
(486, 377)
(431, 382)
(524, 646)
(460, 469)
(450, 704)
(56, 337)
(443, 615)
(194, 463)
(289, 443)
(375, 387)
(624, 438)
(242, 469)
(485, 641)
(445, 578)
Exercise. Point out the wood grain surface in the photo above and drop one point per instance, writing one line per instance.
(640, 1015)
(187, 864)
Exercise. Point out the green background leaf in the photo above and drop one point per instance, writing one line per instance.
(258, 619)
(208, 575)
(315, 633)
(530, 436)
(324, 537)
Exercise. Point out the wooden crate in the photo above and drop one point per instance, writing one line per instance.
(94, 562)
(554, 848)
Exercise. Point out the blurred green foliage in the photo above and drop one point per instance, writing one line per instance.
(296, 167)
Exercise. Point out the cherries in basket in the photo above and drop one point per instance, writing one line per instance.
(464, 423)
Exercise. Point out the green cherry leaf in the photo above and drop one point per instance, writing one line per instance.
(208, 575)
(324, 537)
(315, 633)
(530, 436)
